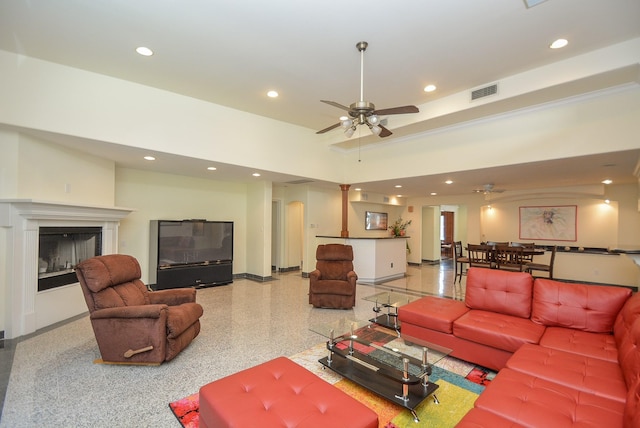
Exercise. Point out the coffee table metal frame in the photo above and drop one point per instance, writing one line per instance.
(395, 384)
(391, 301)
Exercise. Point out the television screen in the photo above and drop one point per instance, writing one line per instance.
(194, 242)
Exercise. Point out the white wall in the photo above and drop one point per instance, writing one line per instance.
(54, 98)
(156, 196)
(259, 198)
(34, 169)
(598, 123)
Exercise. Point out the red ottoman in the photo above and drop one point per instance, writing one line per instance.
(280, 393)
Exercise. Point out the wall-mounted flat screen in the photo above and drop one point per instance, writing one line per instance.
(376, 221)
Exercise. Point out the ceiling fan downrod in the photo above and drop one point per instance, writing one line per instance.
(362, 46)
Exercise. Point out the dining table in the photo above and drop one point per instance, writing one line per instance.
(527, 253)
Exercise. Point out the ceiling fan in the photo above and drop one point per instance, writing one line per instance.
(363, 112)
(488, 189)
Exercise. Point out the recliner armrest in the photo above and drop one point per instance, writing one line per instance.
(315, 275)
(173, 297)
(141, 311)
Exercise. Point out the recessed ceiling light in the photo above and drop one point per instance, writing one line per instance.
(398, 186)
(449, 182)
(430, 88)
(357, 189)
(607, 201)
(272, 94)
(144, 51)
(211, 168)
(607, 181)
(398, 196)
(255, 174)
(560, 43)
(149, 158)
(433, 193)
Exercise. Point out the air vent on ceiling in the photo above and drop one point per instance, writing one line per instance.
(303, 181)
(484, 92)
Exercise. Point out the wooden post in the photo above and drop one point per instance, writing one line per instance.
(344, 233)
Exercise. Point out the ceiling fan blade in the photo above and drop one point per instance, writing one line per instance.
(329, 128)
(397, 110)
(385, 132)
(335, 104)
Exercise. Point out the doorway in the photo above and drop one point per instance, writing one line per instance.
(447, 222)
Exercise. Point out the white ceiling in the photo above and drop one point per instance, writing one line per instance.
(232, 52)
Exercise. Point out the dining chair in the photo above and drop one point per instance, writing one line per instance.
(480, 255)
(530, 267)
(459, 260)
(526, 257)
(509, 258)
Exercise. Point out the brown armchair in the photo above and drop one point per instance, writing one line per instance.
(131, 324)
(333, 283)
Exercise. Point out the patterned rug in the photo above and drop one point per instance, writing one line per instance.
(459, 383)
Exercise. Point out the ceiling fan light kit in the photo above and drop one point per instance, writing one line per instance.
(363, 112)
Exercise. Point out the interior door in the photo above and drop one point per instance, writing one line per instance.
(447, 226)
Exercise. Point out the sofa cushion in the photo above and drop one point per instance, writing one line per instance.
(579, 306)
(533, 401)
(587, 374)
(480, 418)
(626, 318)
(632, 407)
(497, 330)
(596, 345)
(629, 355)
(499, 291)
(435, 313)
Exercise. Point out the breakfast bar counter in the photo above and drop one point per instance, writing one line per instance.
(375, 260)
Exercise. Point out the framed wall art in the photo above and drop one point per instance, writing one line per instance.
(549, 223)
(376, 221)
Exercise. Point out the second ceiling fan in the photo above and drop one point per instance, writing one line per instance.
(363, 112)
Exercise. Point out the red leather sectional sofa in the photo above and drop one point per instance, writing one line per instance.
(568, 355)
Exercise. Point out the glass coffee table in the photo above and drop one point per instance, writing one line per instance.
(389, 301)
(385, 371)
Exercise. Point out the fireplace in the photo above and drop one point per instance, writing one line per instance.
(60, 249)
(31, 256)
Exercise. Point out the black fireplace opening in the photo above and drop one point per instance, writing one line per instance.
(60, 249)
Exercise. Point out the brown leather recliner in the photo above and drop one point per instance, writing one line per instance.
(333, 283)
(131, 324)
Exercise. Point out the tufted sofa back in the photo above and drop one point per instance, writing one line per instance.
(499, 291)
(592, 308)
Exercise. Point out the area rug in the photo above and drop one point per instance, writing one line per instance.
(459, 382)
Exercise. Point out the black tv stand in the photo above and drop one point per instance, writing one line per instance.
(201, 275)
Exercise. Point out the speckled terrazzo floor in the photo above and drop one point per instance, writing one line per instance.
(53, 381)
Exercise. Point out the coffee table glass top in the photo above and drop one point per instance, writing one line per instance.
(370, 356)
(340, 327)
(364, 332)
(390, 299)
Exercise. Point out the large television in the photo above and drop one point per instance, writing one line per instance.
(192, 242)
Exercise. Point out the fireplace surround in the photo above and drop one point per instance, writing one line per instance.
(26, 308)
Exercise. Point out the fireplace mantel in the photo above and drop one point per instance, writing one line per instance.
(26, 309)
